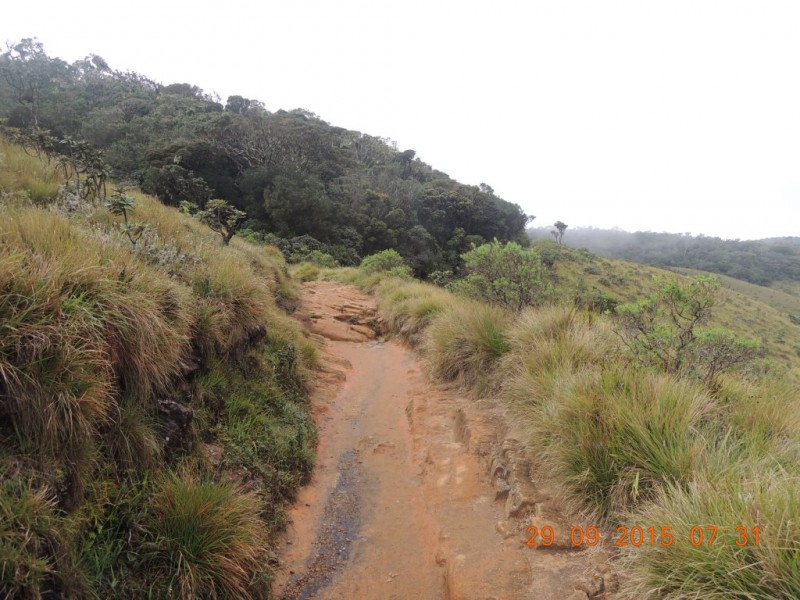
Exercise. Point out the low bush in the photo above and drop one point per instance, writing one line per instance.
(504, 274)
(386, 261)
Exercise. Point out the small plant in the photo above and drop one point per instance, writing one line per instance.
(386, 261)
(665, 331)
(120, 205)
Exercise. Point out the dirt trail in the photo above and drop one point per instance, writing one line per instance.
(418, 493)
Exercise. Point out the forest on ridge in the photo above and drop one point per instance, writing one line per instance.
(316, 186)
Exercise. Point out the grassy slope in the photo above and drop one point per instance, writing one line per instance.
(152, 399)
(752, 311)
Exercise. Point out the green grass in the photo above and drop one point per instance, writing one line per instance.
(465, 343)
(25, 176)
(202, 539)
(34, 556)
(630, 445)
(734, 566)
(613, 438)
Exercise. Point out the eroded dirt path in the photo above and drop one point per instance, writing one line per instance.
(418, 493)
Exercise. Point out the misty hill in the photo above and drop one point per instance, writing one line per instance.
(762, 262)
(342, 192)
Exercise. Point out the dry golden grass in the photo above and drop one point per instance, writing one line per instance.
(26, 176)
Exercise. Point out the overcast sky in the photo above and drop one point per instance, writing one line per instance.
(679, 116)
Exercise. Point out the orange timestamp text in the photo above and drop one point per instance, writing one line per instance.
(637, 536)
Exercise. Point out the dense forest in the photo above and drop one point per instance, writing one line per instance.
(758, 261)
(315, 186)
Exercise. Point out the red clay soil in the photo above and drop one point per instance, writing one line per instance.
(418, 492)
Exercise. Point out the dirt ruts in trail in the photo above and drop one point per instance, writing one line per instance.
(418, 492)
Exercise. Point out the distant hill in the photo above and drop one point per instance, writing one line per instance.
(342, 192)
(762, 262)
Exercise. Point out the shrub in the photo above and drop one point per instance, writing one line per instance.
(385, 261)
(222, 218)
(665, 331)
(321, 259)
(504, 274)
(203, 539)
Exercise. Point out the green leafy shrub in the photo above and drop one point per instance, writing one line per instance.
(504, 274)
(388, 261)
(665, 331)
(222, 218)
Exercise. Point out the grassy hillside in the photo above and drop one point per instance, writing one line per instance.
(762, 262)
(152, 399)
(629, 443)
(751, 310)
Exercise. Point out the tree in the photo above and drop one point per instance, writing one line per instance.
(222, 218)
(561, 227)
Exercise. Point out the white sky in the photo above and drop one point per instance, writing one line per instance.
(665, 116)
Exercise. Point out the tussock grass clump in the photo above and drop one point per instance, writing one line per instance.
(81, 322)
(548, 345)
(33, 552)
(119, 356)
(613, 438)
(764, 409)
(409, 307)
(465, 343)
(203, 539)
(132, 439)
(306, 272)
(737, 564)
